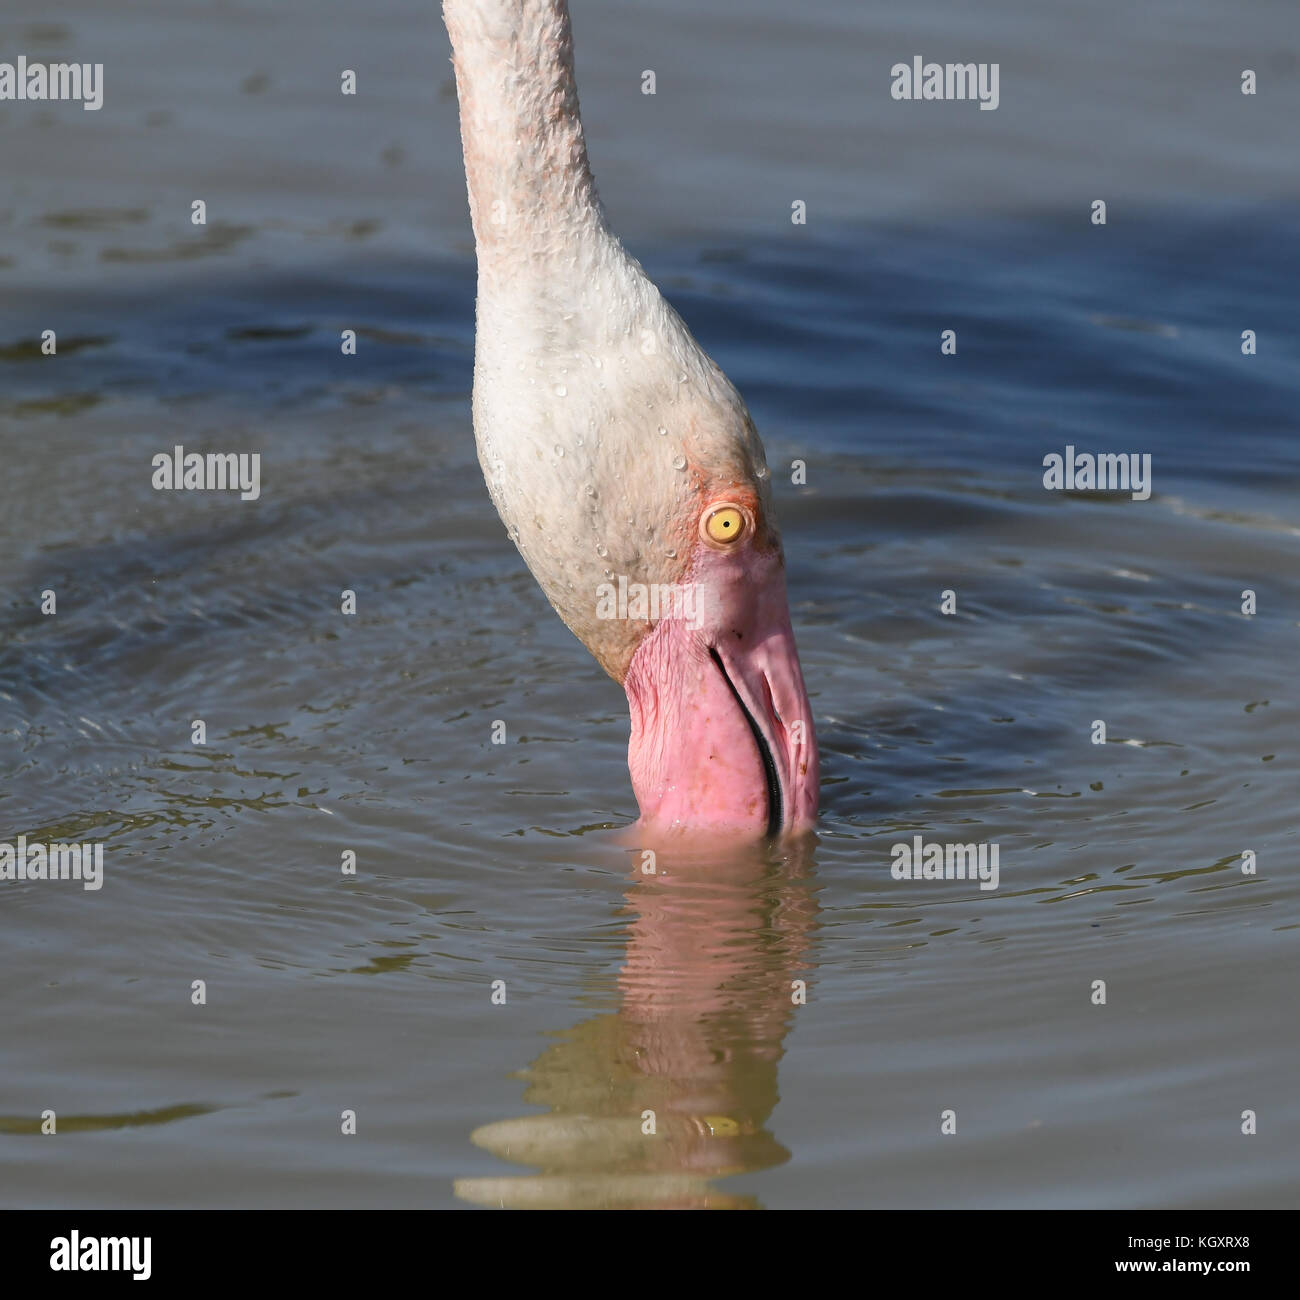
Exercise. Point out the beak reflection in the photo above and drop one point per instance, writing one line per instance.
(651, 1103)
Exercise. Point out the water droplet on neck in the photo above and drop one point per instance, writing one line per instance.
(762, 472)
(663, 433)
(561, 391)
(679, 462)
(559, 451)
(602, 550)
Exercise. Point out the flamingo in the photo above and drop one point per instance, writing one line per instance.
(620, 457)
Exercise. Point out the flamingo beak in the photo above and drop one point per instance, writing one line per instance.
(722, 733)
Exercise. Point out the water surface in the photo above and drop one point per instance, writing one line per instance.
(476, 863)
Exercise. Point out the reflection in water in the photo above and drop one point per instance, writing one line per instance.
(708, 992)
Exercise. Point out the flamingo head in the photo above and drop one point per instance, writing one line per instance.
(722, 736)
(647, 520)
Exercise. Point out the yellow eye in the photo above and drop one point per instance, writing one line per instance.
(724, 524)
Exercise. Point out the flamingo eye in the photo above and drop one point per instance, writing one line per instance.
(724, 524)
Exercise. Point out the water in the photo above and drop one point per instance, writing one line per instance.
(478, 863)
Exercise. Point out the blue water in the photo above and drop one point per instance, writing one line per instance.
(1119, 862)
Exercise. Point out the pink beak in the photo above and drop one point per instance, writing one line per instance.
(722, 733)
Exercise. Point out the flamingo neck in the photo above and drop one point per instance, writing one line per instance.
(530, 187)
